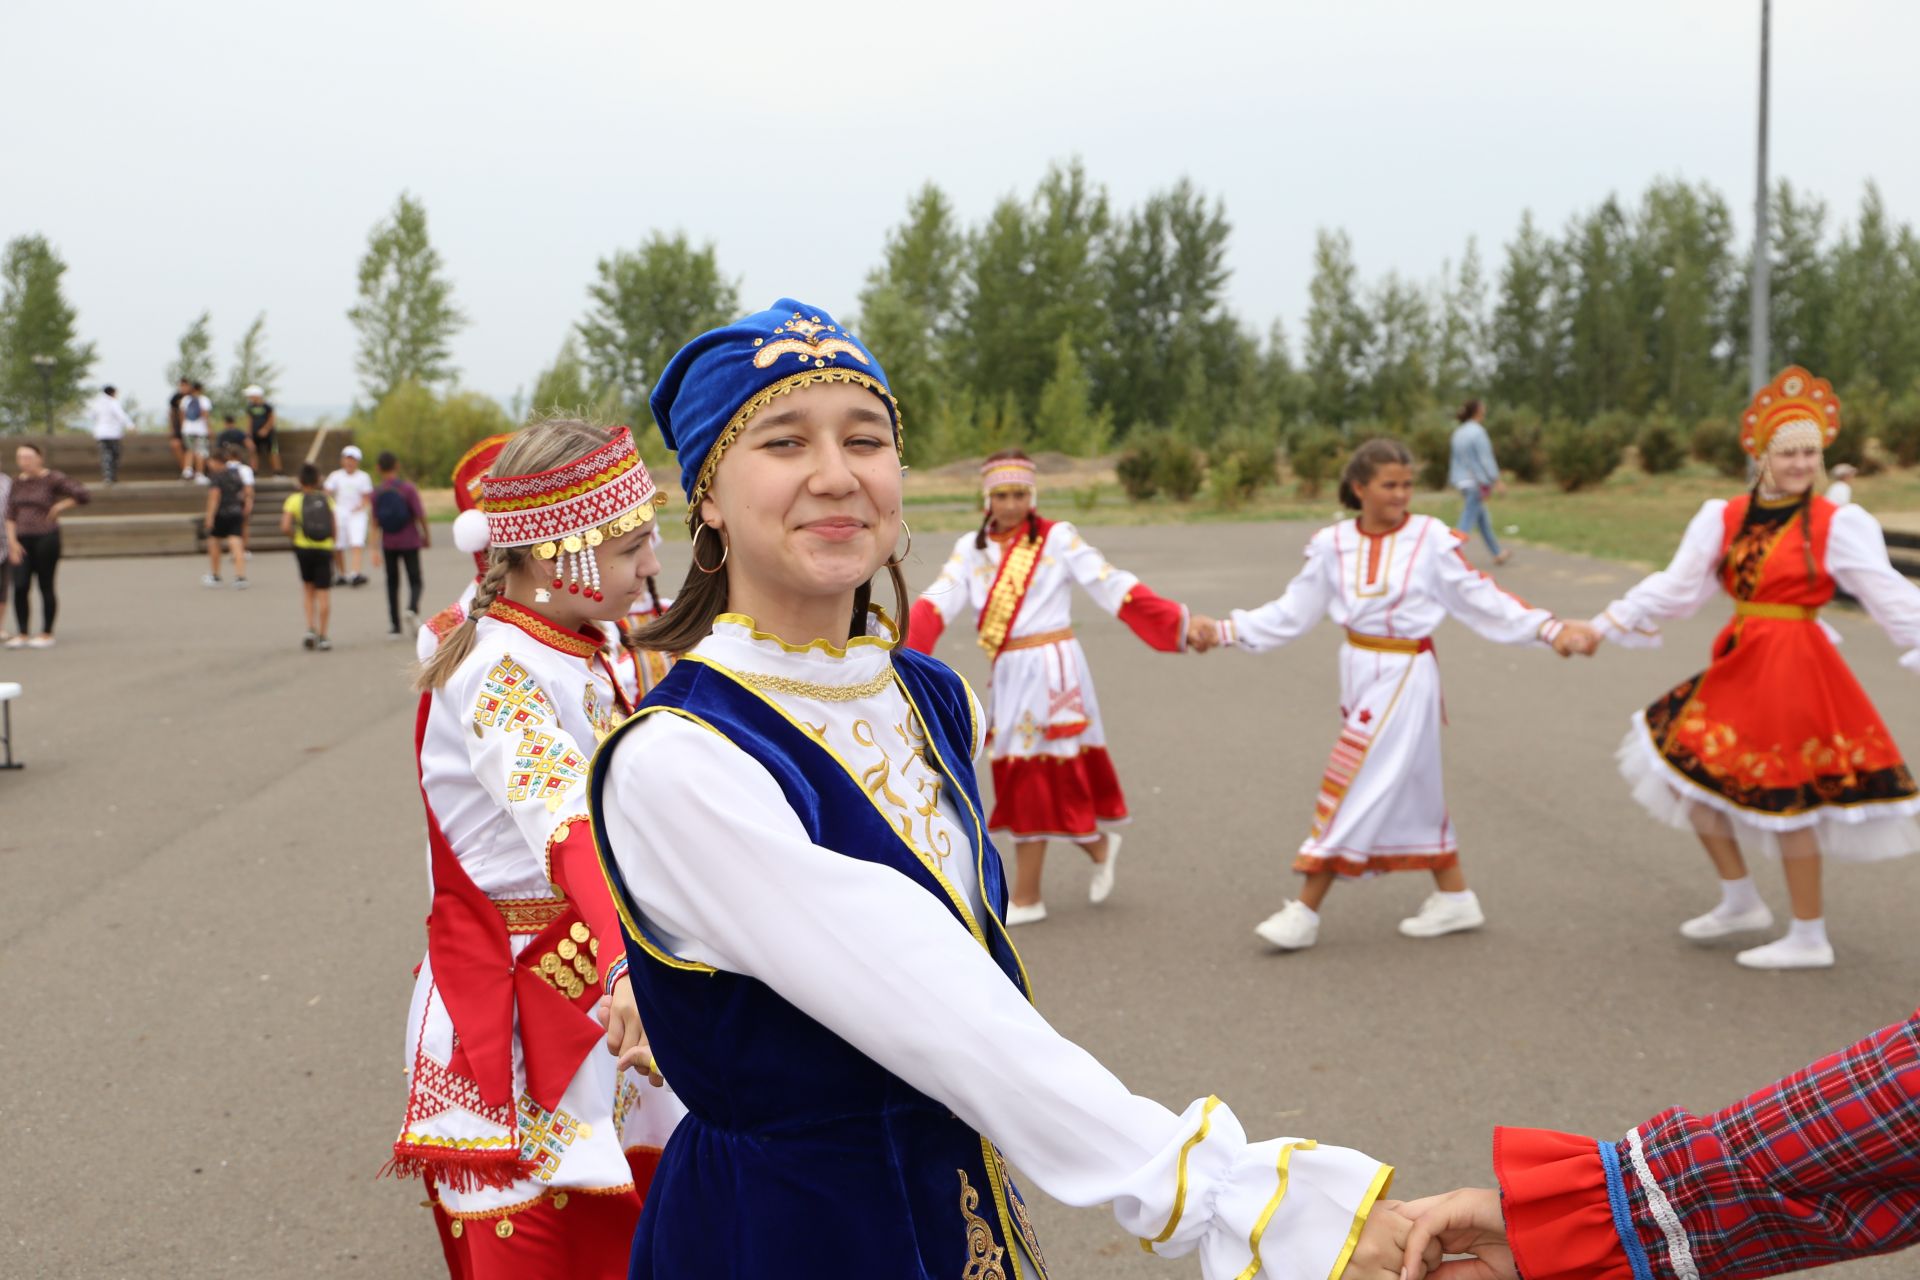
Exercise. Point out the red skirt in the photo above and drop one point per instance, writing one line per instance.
(1056, 797)
(1778, 734)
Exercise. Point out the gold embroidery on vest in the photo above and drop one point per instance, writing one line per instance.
(1007, 593)
(983, 1255)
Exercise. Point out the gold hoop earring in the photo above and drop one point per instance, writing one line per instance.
(905, 551)
(725, 549)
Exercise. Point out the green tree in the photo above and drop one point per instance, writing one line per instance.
(565, 387)
(1339, 332)
(647, 303)
(1166, 271)
(1399, 353)
(405, 316)
(1605, 363)
(1685, 239)
(1066, 403)
(251, 367)
(1876, 272)
(36, 320)
(1523, 344)
(909, 309)
(193, 360)
(1460, 335)
(1801, 298)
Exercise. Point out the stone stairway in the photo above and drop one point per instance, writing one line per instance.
(152, 511)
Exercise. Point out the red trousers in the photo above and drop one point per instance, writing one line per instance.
(581, 1235)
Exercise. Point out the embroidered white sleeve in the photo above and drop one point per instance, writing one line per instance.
(1676, 591)
(1475, 599)
(520, 753)
(726, 875)
(1857, 558)
(1295, 611)
(1107, 585)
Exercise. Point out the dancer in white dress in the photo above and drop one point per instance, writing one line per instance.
(1390, 578)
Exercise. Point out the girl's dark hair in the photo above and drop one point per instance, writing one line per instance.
(1366, 463)
(38, 452)
(1469, 411)
(309, 474)
(986, 521)
(386, 461)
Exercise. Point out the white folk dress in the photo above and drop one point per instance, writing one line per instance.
(725, 874)
(503, 765)
(1052, 775)
(1382, 804)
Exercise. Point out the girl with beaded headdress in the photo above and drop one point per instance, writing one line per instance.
(817, 920)
(1775, 748)
(1052, 776)
(536, 1142)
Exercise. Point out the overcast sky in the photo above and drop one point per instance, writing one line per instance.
(233, 156)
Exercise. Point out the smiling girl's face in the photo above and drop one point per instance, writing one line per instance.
(808, 498)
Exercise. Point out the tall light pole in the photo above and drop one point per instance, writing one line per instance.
(45, 365)
(1759, 338)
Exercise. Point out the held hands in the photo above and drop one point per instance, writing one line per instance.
(1468, 1222)
(1386, 1245)
(1203, 633)
(626, 1038)
(1576, 637)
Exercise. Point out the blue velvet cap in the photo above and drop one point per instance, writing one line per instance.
(726, 375)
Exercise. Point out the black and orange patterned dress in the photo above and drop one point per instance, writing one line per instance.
(1776, 733)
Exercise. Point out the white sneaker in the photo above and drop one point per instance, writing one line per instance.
(1294, 927)
(1785, 953)
(40, 642)
(1102, 885)
(202, 480)
(16, 642)
(209, 580)
(1718, 924)
(186, 473)
(1440, 916)
(1026, 915)
(240, 584)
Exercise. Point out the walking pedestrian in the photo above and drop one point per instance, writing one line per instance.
(176, 423)
(263, 439)
(229, 508)
(1476, 474)
(307, 516)
(196, 422)
(404, 534)
(34, 506)
(6, 569)
(109, 424)
(352, 492)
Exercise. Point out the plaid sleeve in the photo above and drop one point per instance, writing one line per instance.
(1823, 1166)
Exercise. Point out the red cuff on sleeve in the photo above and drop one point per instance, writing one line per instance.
(1161, 622)
(924, 625)
(1553, 1192)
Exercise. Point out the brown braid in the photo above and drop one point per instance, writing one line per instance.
(453, 650)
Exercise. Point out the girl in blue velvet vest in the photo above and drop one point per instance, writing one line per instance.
(816, 919)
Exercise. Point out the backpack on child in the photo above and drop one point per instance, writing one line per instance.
(190, 408)
(391, 510)
(233, 491)
(316, 516)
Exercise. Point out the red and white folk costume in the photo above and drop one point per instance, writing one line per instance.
(1776, 734)
(1052, 777)
(536, 1152)
(1382, 806)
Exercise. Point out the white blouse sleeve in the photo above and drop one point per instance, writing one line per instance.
(520, 754)
(1857, 558)
(1107, 585)
(1477, 600)
(731, 879)
(1677, 591)
(1297, 609)
(951, 594)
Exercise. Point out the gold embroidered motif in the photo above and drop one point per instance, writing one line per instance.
(983, 1255)
(544, 770)
(600, 717)
(819, 692)
(546, 1135)
(509, 699)
(1008, 590)
(928, 784)
(817, 350)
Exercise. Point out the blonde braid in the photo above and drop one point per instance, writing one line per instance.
(437, 670)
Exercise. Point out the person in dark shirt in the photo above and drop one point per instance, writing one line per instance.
(231, 435)
(262, 434)
(176, 417)
(402, 543)
(34, 506)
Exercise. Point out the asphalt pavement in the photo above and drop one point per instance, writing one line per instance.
(219, 887)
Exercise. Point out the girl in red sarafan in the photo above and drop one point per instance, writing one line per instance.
(1052, 777)
(1775, 747)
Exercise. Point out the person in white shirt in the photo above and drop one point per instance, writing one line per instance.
(352, 492)
(196, 421)
(109, 424)
(791, 828)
